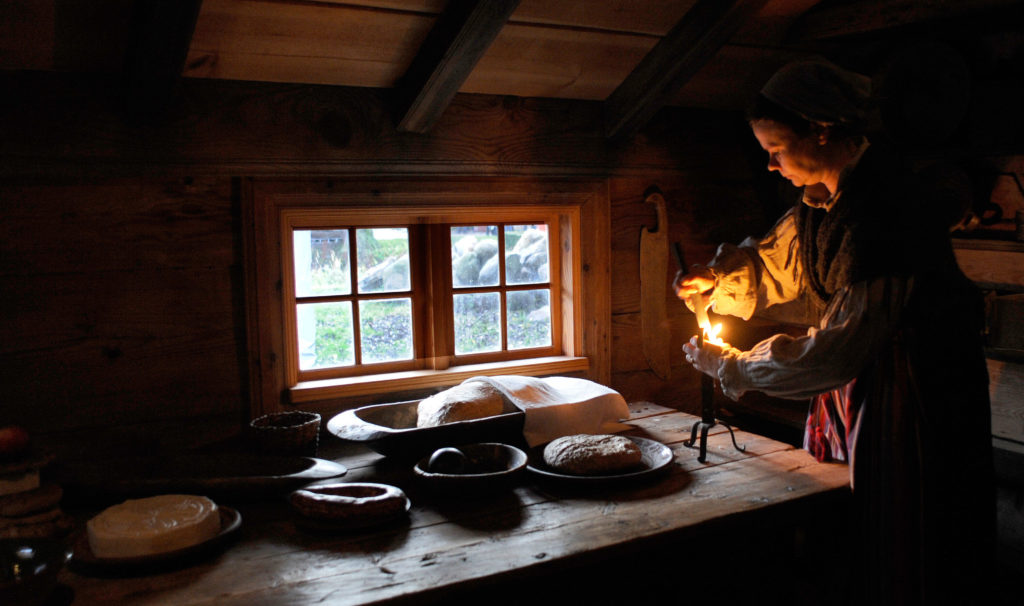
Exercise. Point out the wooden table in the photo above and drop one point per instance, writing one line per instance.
(503, 546)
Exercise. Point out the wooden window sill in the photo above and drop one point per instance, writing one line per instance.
(312, 391)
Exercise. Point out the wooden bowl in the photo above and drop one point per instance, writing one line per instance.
(488, 466)
(391, 430)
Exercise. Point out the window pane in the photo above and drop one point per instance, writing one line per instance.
(321, 262)
(477, 323)
(526, 254)
(529, 319)
(475, 255)
(383, 259)
(325, 335)
(385, 330)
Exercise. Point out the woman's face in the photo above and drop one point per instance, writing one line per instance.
(799, 159)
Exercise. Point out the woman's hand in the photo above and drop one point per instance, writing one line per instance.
(706, 359)
(699, 280)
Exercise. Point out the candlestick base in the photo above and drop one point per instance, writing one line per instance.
(704, 425)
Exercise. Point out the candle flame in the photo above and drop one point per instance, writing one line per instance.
(711, 334)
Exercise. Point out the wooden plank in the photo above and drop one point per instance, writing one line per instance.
(154, 344)
(679, 55)
(732, 78)
(304, 42)
(683, 393)
(58, 125)
(104, 225)
(998, 269)
(27, 34)
(654, 282)
(651, 17)
(460, 37)
(276, 565)
(543, 61)
(869, 16)
(1006, 392)
(771, 24)
(161, 35)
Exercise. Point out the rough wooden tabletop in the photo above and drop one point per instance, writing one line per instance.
(453, 541)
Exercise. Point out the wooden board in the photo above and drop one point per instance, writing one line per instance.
(654, 325)
(1006, 391)
(449, 544)
(999, 268)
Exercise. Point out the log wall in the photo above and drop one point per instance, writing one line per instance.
(122, 269)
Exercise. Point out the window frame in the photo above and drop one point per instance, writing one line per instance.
(433, 346)
(579, 208)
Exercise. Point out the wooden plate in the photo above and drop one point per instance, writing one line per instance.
(218, 476)
(655, 458)
(84, 560)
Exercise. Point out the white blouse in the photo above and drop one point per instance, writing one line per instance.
(857, 321)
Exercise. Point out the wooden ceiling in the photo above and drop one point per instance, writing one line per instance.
(635, 56)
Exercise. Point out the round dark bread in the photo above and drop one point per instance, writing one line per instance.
(30, 501)
(585, 454)
(348, 501)
(50, 523)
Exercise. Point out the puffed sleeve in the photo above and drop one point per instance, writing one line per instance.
(758, 273)
(857, 322)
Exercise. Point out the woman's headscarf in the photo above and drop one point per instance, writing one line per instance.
(821, 92)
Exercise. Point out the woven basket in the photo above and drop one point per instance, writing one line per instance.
(286, 433)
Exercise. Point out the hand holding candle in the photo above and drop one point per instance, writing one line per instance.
(704, 355)
(704, 351)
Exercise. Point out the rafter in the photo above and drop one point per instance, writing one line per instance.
(161, 34)
(461, 36)
(675, 59)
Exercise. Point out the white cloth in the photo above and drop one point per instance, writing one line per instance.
(561, 406)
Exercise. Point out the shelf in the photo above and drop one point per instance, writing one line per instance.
(987, 242)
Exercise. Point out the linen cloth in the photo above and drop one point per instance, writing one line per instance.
(561, 406)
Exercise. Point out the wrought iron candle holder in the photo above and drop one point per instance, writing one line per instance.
(707, 416)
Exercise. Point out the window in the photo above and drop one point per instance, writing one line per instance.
(406, 285)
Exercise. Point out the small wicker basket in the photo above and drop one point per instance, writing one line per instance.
(286, 433)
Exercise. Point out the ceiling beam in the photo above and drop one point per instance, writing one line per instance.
(702, 31)
(157, 47)
(460, 37)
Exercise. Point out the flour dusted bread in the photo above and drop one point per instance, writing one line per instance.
(154, 525)
(585, 454)
(466, 401)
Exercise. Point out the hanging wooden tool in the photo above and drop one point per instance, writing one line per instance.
(653, 283)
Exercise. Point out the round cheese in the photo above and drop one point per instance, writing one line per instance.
(153, 525)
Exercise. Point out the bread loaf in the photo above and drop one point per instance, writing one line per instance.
(466, 401)
(584, 454)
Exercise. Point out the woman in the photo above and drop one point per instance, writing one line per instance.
(893, 365)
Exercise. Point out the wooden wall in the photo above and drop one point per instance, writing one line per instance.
(120, 256)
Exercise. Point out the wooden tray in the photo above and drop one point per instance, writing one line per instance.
(220, 477)
(390, 429)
